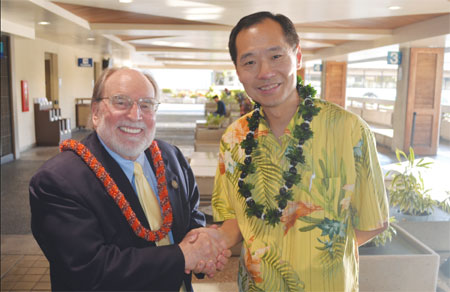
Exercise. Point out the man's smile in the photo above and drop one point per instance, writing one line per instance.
(130, 130)
(269, 86)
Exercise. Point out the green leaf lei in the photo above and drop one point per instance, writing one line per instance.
(295, 155)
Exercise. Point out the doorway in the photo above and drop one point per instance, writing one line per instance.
(51, 78)
(7, 136)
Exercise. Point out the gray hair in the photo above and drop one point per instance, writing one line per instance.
(99, 87)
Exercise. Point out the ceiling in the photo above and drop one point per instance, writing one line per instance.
(194, 34)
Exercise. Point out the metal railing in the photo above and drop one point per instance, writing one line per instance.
(371, 103)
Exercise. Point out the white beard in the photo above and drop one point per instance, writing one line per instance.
(131, 147)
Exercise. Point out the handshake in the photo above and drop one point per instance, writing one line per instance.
(205, 250)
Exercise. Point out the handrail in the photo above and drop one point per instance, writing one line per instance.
(385, 104)
(372, 100)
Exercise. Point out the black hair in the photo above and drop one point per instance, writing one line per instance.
(286, 24)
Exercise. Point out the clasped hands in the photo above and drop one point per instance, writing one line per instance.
(205, 251)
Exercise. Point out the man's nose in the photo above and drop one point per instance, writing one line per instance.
(135, 112)
(265, 70)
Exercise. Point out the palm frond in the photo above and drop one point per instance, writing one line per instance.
(275, 269)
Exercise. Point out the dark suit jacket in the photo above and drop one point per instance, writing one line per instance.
(87, 240)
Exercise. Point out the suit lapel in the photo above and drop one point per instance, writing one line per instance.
(116, 173)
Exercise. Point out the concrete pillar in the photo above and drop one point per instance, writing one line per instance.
(399, 115)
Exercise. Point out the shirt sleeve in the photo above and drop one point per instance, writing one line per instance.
(369, 203)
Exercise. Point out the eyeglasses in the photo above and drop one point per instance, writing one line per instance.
(124, 103)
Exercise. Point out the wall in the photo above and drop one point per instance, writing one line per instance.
(28, 64)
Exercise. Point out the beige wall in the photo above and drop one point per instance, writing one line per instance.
(28, 64)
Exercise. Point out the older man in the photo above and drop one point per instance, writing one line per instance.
(298, 178)
(112, 212)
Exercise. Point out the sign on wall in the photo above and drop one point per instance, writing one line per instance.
(85, 62)
(394, 58)
(317, 67)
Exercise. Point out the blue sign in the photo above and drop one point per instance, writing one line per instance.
(394, 58)
(317, 67)
(84, 62)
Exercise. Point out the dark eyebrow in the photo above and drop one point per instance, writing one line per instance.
(244, 56)
(276, 48)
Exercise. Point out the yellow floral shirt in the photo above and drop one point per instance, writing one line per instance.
(314, 247)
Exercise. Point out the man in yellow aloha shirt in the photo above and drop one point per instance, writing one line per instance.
(301, 215)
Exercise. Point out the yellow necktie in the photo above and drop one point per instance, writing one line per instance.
(148, 202)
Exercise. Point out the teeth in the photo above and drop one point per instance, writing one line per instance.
(269, 87)
(130, 130)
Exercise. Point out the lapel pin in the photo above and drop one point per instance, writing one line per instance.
(174, 184)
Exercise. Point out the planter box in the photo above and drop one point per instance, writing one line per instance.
(204, 165)
(433, 230)
(204, 176)
(200, 124)
(405, 264)
(207, 146)
(445, 130)
(207, 134)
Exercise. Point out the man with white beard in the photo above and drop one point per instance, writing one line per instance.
(112, 212)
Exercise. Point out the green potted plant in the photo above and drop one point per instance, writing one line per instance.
(407, 191)
(214, 121)
(385, 236)
(445, 204)
(411, 203)
(167, 91)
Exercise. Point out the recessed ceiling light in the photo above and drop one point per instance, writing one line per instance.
(394, 7)
(43, 22)
(125, 1)
(91, 39)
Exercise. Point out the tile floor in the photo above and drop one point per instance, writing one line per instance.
(25, 268)
(26, 273)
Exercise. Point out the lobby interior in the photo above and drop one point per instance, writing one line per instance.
(192, 35)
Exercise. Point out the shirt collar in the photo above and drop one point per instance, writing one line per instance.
(289, 131)
(126, 165)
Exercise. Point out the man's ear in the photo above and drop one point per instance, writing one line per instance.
(95, 114)
(299, 57)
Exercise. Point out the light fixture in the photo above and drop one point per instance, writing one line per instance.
(43, 22)
(125, 1)
(91, 39)
(394, 8)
